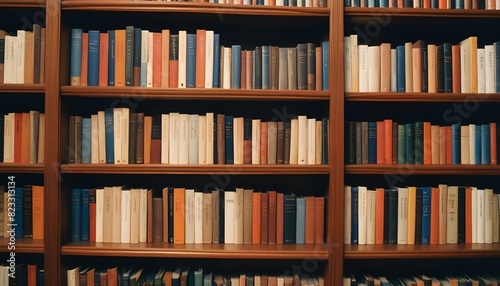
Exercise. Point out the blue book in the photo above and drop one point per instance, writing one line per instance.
(76, 214)
(137, 56)
(236, 66)
(129, 55)
(477, 144)
(347, 3)
(426, 215)
(459, 4)
(109, 134)
(400, 68)
(324, 129)
(434, 4)
(229, 139)
(419, 142)
(372, 142)
(93, 68)
(85, 232)
(216, 75)
(144, 65)
(260, 2)
(326, 56)
(301, 221)
(355, 3)
(410, 143)
(111, 58)
(496, 46)
(86, 140)
(191, 60)
(485, 144)
(408, 3)
(354, 215)
(371, 3)
(18, 212)
(455, 144)
(448, 85)
(198, 277)
(207, 279)
(384, 3)
(265, 67)
(76, 57)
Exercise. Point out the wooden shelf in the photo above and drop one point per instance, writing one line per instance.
(421, 97)
(191, 7)
(21, 168)
(388, 251)
(21, 3)
(194, 169)
(22, 88)
(22, 245)
(193, 93)
(421, 12)
(205, 251)
(414, 169)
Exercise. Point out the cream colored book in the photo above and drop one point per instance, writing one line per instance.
(385, 67)
(73, 278)
(402, 216)
(238, 219)
(165, 138)
(99, 215)
(125, 132)
(116, 214)
(107, 222)
(409, 67)
(198, 217)
(10, 59)
(209, 58)
(452, 215)
(412, 207)
(143, 215)
(226, 68)
(472, 144)
(374, 69)
(149, 69)
(174, 140)
(21, 55)
(182, 59)
(145, 55)
(481, 71)
(101, 137)
(209, 153)
(183, 138)
(189, 216)
(347, 215)
(363, 68)
(490, 66)
(354, 62)
(488, 216)
(135, 207)
(202, 140)
(238, 140)
(394, 71)
(193, 138)
(481, 212)
(302, 140)
(117, 134)
(464, 145)
(311, 141)
(8, 147)
(256, 141)
(229, 217)
(126, 201)
(362, 214)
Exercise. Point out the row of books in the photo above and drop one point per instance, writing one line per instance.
(422, 67)
(27, 203)
(140, 276)
(186, 216)
(22, 137)
(119, 136)
(355, 279)
(387, 142)
(22, 273)
(440, 4)
(137, 57)
(287, 3)
(22, 56)
(421, 215)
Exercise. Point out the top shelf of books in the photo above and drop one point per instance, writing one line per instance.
(420, 12)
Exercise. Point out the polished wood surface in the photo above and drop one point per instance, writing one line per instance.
(22, 88)
(421, 12)
(22, 3)
(421, 97)
(417, 169)
(21, 245)
(21, 168)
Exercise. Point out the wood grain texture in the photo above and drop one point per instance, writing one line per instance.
(21, 3)
(421, 12)
(421, 97)
(414, 169)
(23, 245)
(21, 168)
(22, 88)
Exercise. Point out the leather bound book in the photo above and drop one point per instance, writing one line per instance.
(264, 220)
(272, 197)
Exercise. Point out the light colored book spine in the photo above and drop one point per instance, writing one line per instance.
(181, 83)
(135, 206)
(432, 68)
(464, 145)
(481, 212)
(101, 137)
(149, 71)
(408, 67)
(347, 215)
(41, 140)
(193, 124)
(362, 214)
(229, 217)
(94, 146)
(99, 215)
(481, 71)
(474, 207)
(347, 64)
(452, 215)
(226, 68)
(144, 57)
(355, 63)
(209, 59)
(238, 220)
(10, 59)
(374, 69)
(210, 138)
(8, 149)
(394, 78)
(202, 140)
(302, 139)
(143, 215)
(125, 213)
(189, 216)
(294, 141)
(443, 212)
(165, 138)
(472, 144)
(20, 57)
(183, 138)
(370, 217)
(198, 217)
(363, 68)
(496, 218)
(117, 134)
(256, 141)
(117, 216)
(107, 225)
(238, 140)
(311, 138)
(125, 132)
(402, 236)
(174, 138)
(488, 216)
(489, 73)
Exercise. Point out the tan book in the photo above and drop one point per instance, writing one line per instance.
(468, 53)
(412, 202)
(179, 215)
(464, 144)
(409, 67)
(38, 212)
(25, 141)
(165, 50)
(164, 196)
(374, 68)
(148, 126)
(207, 218)
(116, 214)
(134, 215)
(150, 215)
(318, 143)
(385, 67)
(107, 222)
(435, 154)
(157, 224)
(247, 215)
(29, 57)
(42, 56)
(452, 215)
(272, 139)
(354, 63)
(432, 68)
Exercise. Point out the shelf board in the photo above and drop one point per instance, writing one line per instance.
(417, 169)
(388, 251)
(421, 97)
(22, 88)
(193, 93)
(21, 168)
(205, 251)
(22, 245)
(194, 169)
(191, 7)
(421, 12)
(22, 3)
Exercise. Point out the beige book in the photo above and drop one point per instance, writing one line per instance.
(238, 140)
(125, 132)
(402, 237)
(256, 141)
(183, 138)
(189, 216)
(174, 138)
(464, 145)
(101, 137)
(355, 62)
(362, 214)
(318, 142)
(496, 218)
(363, 68)
(347, 215)
(374, 68)
(135, 206)
(417, 69)
(435, 144)
(29, 57)
(432, 68)
(409, 67)
(126, 200)
(209, 58)
(207, 217)
(238, 212)
(94, 145)
(488, 217)
(117, 134)
(452, 215)
(311, 141)
(107, 214)
(294, 141)
(116, 214)
(165, 138)
(149, 194)
(247, 215)
(143, 215)
(10, 59)
(385, 67)
(202, 140)
(99, 215)
(302, 140)
(370, 217)
(209, 153)
(412, 208)
(198, 217)
(21, 56)
(182, 59)
(472, 144)
(272, 139)
(347, 64)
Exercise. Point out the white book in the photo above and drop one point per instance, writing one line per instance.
(209, 153)
(9, 129)
(198, 217)
(182, 59)
(193, 124)
(374, 69)
(174, 138)
(102, 137)
(202, 140)
(209, 58)
(347, 64)
(183, 138)
(11, 53)
(402, 215)
(452, 215)
(94, 138)
(311, 141)
(408, 67)
(41, 139)
(135, 207)
(497, 4)
(73, 276)
(229, 217)
(347, 215)
(363, 68)
(294, 141)
(464, 145)
(394, 72)
(149, 71)
(125, 131)
(370, 217)
(481, 212)
(117, 134)
(464, 68)
(125, 213)
(302, 139)
(256, 141)
(144, 56)
(354, 62)
(474, 206)
(165, 140)
(238, 218)
(443, 210)
(117, 214)
(99, 215)
(20, 55)
(490, 64)
(143, 215)
(189, 216)
(496, 218)
(481, 71)
(488, 216)
(362, 214)
(226, 68)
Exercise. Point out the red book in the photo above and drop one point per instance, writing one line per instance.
(92, 214)
(319, 228)
(256, 217)
(279, 218)
(263, 142)
(387, 141)
(271, 235)
(379, 216)
(310, 219)
(455, 69)
(157, 59)
(264, 220)
(381, 143)
(493, 143)
(435, 192)
(427, 143)
(201, 36)
(103, 59)
(85, 60)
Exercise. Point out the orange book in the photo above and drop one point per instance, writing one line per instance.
(113, 276)
(148, 126)
(90, 277)
(92, 214)
(256, 218)
(243, 73)
(435, 194)
(310, 219)
(165, 61)
(319, 68)
(381, 142)
(387, 141)
(103, 59)
(443, 4)
(18, 121)
(200, 57)
(179, 214)
(427, 143)
(84, 69)
(468, 215)
(38, 211)
(412, 203)
(379, 216)
(29, 57)
(157, 59)
(32, 274)
(25, 138)
(279, 218)
(272, 207)
(120, 41)
(417, 67)
(319, 228)
(167, 278)
(263, 142)
(442, 144)
(427, 4)
(264, 220)
(455, 69)
(493, 143)
(449, 148)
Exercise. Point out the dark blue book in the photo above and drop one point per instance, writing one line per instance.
(289, 219)
(324, 144)
(418, 215)
(260, 2)
(419, 142)
(257, 67)
(384, 3)
(426, 215)
(408, 3)
(400, 68)
(371, 4)
(485, 144)
(111, 58)
(76, 214)
(372, 142)
(354, 215)
(191, 60)
(455, 144)
(40, 277)
(448, 83)
(137, 58)
(18, 212)
(355, 3)
(459, 4)
(109, 134)
(440, 64)
(265, 67)
(236, 66)
(93, 64)
(129, 55)
(325, 46)
(216, 80)
(229, 139)
(478, 144)
(434, 4)
(76, 57)
(410, 143)
(85, 232)
(86, 140)
(393, 217)
(347, 3)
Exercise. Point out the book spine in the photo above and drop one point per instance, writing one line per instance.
(136, 65)
(325, 58)
(129, 55)
(76, 213)
(236, 66)
(216, 78)
(85, 231)
(229, 146)
(76, 57)
(93, 55)
(191, 60)
(111, 58)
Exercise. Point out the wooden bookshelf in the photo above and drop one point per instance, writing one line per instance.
(417, 169)
(21, 168)
(22, 88)
(22, 3)
(421, 12)
(421, 97)
(22, 245)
